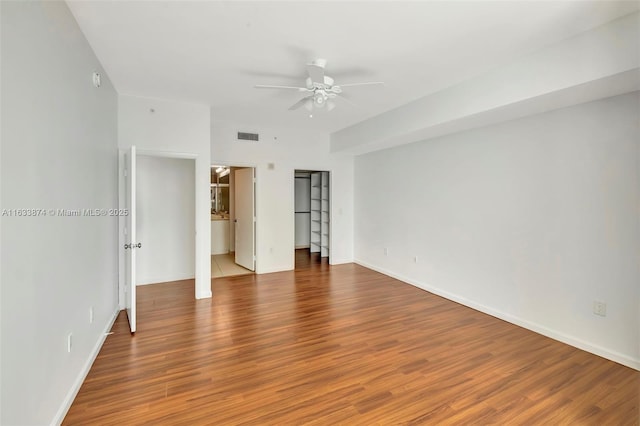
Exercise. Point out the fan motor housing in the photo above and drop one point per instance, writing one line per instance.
(311, 85)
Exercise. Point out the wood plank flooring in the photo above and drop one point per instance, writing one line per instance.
(329, 345)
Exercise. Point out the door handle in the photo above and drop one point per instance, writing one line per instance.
(132, 246)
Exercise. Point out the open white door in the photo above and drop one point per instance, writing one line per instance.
(244, 222)
(130, 238)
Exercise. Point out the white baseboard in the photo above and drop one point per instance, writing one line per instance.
(165, 278)
(540, 329)
(77, 384)
(282, 268)
(333, 261)
(205, 295)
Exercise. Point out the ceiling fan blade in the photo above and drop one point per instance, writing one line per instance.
(262, 86)
(316, 72)
(360, 84)
(346, 100)
(300, 103)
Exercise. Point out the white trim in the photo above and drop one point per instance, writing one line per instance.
(340, 261)
(540, 329)
(331, 217)
(77, 384)
(274, 270)
(234, 164)
(166, 154)
(292, 194)
(121, 227)
(204, 295)
(165, 279)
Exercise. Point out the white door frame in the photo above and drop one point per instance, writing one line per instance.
(255, 203)
(293, 215)
(121, 220)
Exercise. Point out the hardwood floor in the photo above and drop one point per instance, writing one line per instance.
(340, 344)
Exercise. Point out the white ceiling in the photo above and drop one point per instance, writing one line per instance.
(213, 52)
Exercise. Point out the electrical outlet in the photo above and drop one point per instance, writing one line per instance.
(600, 308)
(90, 314)
(386, 251)
(69, 338)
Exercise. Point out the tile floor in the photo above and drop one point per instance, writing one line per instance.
(224, 265)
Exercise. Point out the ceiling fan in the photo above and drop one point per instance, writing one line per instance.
(319, 87)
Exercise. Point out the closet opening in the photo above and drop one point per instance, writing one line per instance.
(312, 217)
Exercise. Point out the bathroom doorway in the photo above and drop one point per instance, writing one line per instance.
(232, 220)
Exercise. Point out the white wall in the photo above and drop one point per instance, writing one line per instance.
(59, 151)
(175, 128)
(288, 150)
(165, 219)
(530, 220)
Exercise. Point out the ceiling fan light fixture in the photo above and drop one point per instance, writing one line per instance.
(308, 104)
(319, 88)
(319, 99)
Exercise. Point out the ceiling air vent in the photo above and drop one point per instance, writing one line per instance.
(244, 136)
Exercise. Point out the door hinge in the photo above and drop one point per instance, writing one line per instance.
(125, 172)
(254, 219)
(254, 257)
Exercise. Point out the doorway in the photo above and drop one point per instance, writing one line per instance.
(232, 220)
(165, 219)
(136, 199)
(312, 211)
